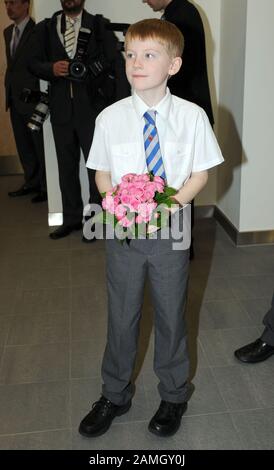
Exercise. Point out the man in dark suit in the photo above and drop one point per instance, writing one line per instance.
(74, 105)
(29, 145)
(191, 82)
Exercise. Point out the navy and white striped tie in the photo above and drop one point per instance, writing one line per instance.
(154, 159)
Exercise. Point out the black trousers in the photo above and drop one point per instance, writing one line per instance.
(30, 148)
(70, 138)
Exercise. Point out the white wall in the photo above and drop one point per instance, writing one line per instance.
(245, 181)
(257, 189)
(232, 72)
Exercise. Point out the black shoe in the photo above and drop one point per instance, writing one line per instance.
(99, 419)
(40, 197)
(254, 352)
(167, 419)
(24, 191)
(64, 231)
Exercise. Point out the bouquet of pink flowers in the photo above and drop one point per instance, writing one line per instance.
(137, 206)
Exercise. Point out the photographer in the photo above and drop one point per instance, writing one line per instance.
(77, 93)
(30, 146)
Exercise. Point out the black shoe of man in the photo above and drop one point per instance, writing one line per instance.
(257, 351)
(40, 197)
(167, 419)
(65, 230)
(99, 419)
(23, 191)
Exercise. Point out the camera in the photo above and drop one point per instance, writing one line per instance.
(77, 67)
(41, 110)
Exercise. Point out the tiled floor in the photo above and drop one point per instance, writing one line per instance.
(52, 335)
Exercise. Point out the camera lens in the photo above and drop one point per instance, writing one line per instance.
(77, 69)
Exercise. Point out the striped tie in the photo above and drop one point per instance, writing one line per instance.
(69, 37)
(154, 159)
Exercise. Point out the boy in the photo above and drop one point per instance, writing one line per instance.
(187, 149)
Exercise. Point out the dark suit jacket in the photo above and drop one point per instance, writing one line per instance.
(191, 82)
(17, 74)
(47, 49)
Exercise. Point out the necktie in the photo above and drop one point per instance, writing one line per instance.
(154, 159)
(15, 40)
(69, 37)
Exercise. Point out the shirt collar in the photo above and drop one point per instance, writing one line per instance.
(21, 26)
(162, 108)
(77, 19)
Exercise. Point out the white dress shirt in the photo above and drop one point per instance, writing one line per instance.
(187, 141)
(77, 26)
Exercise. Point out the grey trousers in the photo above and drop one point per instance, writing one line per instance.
(268, 334)
(167, 271)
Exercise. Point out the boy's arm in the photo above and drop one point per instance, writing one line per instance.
(103, 181)
(192, 187)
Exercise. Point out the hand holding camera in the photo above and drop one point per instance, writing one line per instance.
(61, 68)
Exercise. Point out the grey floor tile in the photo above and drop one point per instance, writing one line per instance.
(79, 258)
(5, 322)
(9, 278)
(219, 345)
(46, 279)
(252, 287)
(92, 279)
(210, 266)
(47, 440)
(206, 397)
(212, 288)
(209, 432)
(86, 357)
(255, 428)
(38, 328)
(26, 244)
(38, 363)
(89, 324)
(25, 262)
(86, 299)
(197, 356)
(257, 265)
(7, 299)
(42, 301)
(245, 386)
(256, 309)
(223, 314)
(34, 407)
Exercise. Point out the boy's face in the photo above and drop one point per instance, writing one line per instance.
(148, 66)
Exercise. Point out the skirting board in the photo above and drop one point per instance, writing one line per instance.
(264, 237)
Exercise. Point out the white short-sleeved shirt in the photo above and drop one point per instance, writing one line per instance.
(187, 141)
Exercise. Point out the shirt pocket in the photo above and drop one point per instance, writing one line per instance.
(178, 162)
(127, 158)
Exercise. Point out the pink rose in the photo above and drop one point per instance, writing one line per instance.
(125, 222)
(120, 211)
(108, 204)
